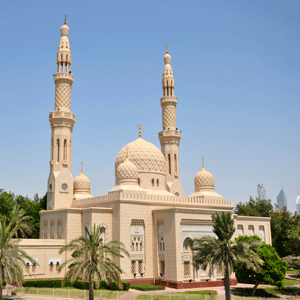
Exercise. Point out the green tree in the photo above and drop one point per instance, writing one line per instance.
(93, 260)
(12, 257)
(271, 272)
(31, 207)
(284, 229)
(223, 252)
(257, 208)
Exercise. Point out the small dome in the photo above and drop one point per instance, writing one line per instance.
(82, 183)
(64, 30)
(144, 155)
(126, 171)
(204, 180)
(167, 59)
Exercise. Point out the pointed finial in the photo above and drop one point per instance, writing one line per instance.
(140, 130)
(127, 159)
(65, 18)
(81, 173)
(203, 169)
(167, 51)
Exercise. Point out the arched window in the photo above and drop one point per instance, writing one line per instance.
(65, 149)
(175, 163)
(169, 160)
(152, 182)
(262, 232)
(139, 181)
(240, 230)
(52, 149)
(57, 149)
(157, 182)
(250, 230)
(187, 245)
(132, 247)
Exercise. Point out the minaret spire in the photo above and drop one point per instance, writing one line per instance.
(60, 182)
(170, 135)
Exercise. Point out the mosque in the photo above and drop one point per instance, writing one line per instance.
(146, 209)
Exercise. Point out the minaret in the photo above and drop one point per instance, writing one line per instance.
(170, 135)
(60, 182)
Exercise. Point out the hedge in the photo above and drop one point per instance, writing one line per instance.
(79, 284)
(148, 287)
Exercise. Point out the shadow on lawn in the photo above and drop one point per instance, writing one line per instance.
(248, 292)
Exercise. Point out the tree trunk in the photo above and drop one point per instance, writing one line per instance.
(1, 283)
(91, 288)
(227, 283)
(255, 287)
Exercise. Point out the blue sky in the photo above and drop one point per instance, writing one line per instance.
(236, 66)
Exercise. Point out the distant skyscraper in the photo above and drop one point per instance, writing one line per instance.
(298, 203)
(262, 194)
(281, 199)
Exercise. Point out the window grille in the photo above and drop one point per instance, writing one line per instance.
(187, 268)
(140, 267)
(133, 267)
(162, 267)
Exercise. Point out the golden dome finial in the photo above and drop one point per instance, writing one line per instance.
(140, 129)
(167, 51)
(203, 169)
(81, 173)
(127, 159)
(65, 18)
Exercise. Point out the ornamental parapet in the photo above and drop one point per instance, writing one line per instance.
(150, 198)
(63, 76)
(168, 100)
(171, 133)
(61, 115)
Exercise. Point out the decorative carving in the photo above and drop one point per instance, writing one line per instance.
(169, 116)
(63, 95)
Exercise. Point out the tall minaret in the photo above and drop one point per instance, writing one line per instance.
(170, 135)
(60, 182)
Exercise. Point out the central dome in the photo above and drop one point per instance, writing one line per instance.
(146, 157)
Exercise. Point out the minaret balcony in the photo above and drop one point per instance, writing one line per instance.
(62, 118)
(165, 99)
(170, 133)
(63, 75)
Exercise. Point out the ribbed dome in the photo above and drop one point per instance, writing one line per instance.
(204, 180)
(126, 170)
(64, 30)
(144, 155)
(82, 183)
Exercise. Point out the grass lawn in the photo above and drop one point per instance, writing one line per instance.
(289, 282)
(179, 296)
(70, 292)
(295, 272)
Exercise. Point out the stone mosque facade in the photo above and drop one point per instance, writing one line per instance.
(146, 209)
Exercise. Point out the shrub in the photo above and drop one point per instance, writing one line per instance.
(4, 282)
(147, 287)
(51, 283)
(78, 284)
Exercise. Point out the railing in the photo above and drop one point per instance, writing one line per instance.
(213, 293)
(193, 201)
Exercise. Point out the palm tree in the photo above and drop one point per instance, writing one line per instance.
(19, 222)
(92, 259)
(12, 259)
(222, 252)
